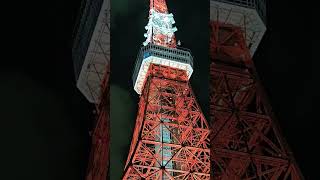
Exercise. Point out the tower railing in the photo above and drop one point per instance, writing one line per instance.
(259, 5)
(177, 54)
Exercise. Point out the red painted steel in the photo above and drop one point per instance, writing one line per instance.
(167, 105)
(98, 165)
(171, 135)
(245, 140)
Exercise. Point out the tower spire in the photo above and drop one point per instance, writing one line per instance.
(160, 29)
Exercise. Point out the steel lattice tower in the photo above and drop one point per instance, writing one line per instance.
(91, 57)
(171, 135)
(245, 140)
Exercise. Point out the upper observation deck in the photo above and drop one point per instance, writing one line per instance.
(250, 15)
(91, 47)
(155, 54)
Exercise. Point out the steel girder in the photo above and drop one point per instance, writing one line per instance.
(98, 166)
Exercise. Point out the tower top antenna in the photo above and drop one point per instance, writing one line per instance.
(160, 29)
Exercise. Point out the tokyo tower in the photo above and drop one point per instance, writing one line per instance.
(171, 134)
(246, 142)
(91, 57)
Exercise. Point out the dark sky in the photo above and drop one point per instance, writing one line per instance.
(46, 119)
(286, 67)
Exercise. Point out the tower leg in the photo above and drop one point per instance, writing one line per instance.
(245, 140)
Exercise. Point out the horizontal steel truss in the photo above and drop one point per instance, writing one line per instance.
(228, 44)
(98, 166)
(245, 141)
(167, 104)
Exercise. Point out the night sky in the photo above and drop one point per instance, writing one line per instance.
(46, 119)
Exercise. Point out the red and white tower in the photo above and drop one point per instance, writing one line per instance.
(171, 135)
(245, 140)
(91, 57)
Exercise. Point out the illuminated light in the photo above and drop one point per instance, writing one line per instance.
(159, 24)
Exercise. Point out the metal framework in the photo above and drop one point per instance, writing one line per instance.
(91, 56)
(171, 135)
(248, 15)
(170, 139)
(91, 49)
(245, 140)
(98, 166)
(160, 30)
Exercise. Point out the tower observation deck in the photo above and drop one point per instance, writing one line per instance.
(246, 142)
(91, 47)
(91, 58)
(155, 54)
(249, 15)
(170, 139)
